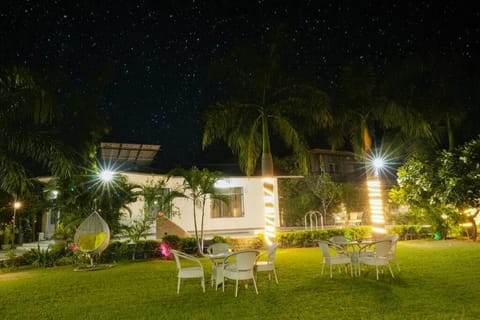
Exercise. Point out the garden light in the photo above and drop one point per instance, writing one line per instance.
(269, 209)
(106, 175)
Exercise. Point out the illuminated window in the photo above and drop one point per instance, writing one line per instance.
(232, 208)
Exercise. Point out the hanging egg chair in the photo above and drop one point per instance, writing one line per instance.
(92, 236)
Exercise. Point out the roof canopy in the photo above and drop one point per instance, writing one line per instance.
(138, 154)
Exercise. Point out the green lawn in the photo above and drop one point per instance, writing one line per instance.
(439, 280)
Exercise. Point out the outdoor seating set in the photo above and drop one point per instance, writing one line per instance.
(338, 251)
(227, 264)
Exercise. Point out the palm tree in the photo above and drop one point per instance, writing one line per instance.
(199, 186)
(259, 103)
(441, 89)
(361, 108)
(26, 111)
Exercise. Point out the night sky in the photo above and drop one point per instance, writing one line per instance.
(160, 50)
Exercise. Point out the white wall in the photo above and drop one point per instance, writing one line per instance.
(252, 221)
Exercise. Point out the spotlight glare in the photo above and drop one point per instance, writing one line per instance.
(378, 163)
(106, 175)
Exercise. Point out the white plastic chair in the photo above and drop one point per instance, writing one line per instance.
(334, 259)
(339, 241)
(240, 266)
(216, 249)
(379, 256)
(392, 253)
(266, 262)
(185, 270)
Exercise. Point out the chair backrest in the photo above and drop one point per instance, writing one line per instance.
(324, 248)
(181, 255)
(271, 251)
(338, 239)
(393, 241)
(382, 248)
(244, 260)
(219, 247)
(176, 255)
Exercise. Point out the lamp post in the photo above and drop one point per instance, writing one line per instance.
(16, 205)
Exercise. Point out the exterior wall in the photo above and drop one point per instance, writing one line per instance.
(341, 165)
(249, 224)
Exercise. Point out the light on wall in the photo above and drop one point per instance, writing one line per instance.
(269, 209)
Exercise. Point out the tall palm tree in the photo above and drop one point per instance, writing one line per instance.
(442, 90)
(258, 103)
(361, 108)
(26, 111)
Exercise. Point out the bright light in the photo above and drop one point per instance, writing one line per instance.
(222, 184)
(376, 205)
(378, 163)
(106, 175)
(17, 205)
(269, 209)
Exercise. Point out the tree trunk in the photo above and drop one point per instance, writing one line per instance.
(267, 165)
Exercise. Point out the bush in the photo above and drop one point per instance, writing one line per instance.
(115, 252)
(307, 238)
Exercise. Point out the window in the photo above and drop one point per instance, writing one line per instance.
(161, 203)
(233, 207)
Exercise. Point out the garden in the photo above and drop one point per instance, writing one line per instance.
(438, 280)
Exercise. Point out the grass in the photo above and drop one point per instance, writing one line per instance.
(438, 280)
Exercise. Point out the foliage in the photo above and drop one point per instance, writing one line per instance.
(198, 186)
(428, 268)
(54, 255)
(316, 192)
(325, 190)
(25, 137)
(158, 198)
(307, 238)
(363, 106)
(117, 251)
(79, 195)
(261, 105)
(444, 188)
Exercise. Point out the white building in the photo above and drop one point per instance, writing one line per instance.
(243, 215)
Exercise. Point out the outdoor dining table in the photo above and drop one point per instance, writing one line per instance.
(217, 260)
(355, 246)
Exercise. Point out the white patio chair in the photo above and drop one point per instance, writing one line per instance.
(266, 262)
(355, 218)
(379, 256)
(334, 259)
(392, 253)
(339, 241)
(240, 266)
(188, 267)
(217, 249)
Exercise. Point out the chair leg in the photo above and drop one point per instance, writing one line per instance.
(376, 269)
(203, 284)
(275, 274)
(331, 271)
(255, 284)
(236, 288)
(391, 271)
(178, 286)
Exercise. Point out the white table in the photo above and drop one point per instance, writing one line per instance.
(217, 266)
(356, 246)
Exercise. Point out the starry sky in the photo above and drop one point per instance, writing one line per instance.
(159, 51)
